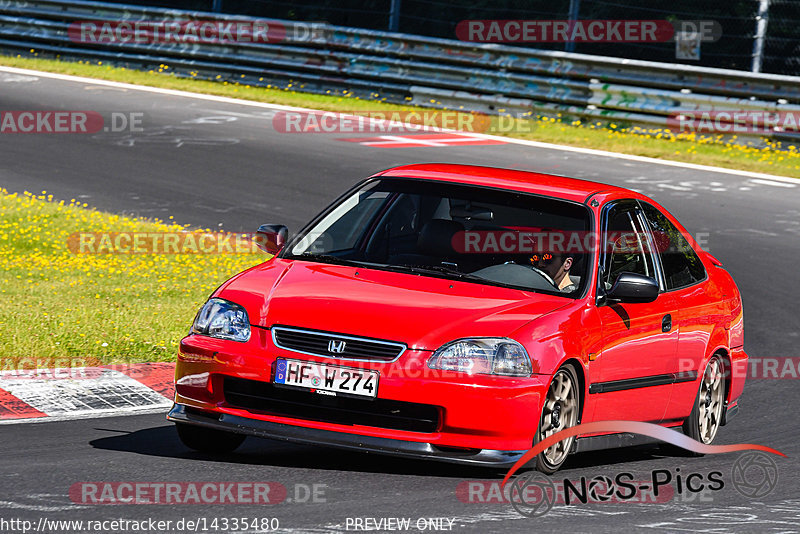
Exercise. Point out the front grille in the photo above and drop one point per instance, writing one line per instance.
(382, 413)
(318, 343)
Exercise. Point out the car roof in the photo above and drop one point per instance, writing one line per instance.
(523, 181)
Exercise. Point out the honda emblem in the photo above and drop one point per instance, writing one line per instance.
(336, 346)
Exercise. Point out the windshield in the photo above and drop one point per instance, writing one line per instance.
(476, 234)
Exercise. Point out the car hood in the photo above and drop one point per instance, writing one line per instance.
(421, 311)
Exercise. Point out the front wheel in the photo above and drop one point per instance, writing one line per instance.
(560, 411)
(706, 417)
(208, 439)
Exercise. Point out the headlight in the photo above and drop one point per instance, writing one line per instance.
(485, 356)
(223, 319)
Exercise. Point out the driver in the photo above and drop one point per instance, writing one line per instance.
(557, 266)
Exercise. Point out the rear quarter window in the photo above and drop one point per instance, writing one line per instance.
(682, 265)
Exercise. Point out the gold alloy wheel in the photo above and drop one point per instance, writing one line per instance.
(560, 412)
(710, 401)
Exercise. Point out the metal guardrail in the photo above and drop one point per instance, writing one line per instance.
(412, 69)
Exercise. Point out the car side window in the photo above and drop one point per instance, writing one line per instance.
(626, 246)
(681, 264)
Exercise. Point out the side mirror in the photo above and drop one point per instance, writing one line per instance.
(271, 237)
(632, 287)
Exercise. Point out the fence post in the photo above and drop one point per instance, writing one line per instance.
(761, 31)
(394, 16)
(574, 10)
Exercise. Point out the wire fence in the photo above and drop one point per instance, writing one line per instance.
(782, 43)
(734, 49)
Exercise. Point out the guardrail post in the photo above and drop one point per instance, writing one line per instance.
(394, 15)
(761, 31)
(574, 10)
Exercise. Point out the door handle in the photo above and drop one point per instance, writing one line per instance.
(666, 323)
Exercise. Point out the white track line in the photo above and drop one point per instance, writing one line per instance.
(771, 182)
(97, 414)
(536, 144)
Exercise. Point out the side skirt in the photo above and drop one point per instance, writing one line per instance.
(613, 441)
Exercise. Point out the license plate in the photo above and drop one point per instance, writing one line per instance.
(326, 379)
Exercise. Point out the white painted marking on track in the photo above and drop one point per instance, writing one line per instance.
(675, 187)
(773, 183)
(740, 231)
(15, 78)
(510, 140)
(689, 188)
(265, 115)
(38, 507)
(776, 517)
(390, 141)
(217, 119)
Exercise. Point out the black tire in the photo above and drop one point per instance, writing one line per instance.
(208, 439)
(706, 416)
(544, 462)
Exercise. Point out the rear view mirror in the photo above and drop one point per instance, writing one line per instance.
(271, 237)
(632, 287)
(472, 214)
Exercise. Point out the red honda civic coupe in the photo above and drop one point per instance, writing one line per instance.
(464, 313)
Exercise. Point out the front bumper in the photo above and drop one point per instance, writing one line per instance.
(475, 413)
(298, 434)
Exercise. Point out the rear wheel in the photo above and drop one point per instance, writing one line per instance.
(208, 439)
(706, 417)
(560, 411)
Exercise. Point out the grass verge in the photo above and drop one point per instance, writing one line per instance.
(62, 309)
(690, 148)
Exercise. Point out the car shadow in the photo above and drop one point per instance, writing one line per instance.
(163, 442)
(614, 457)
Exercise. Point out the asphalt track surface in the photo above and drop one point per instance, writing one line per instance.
(212, 163)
